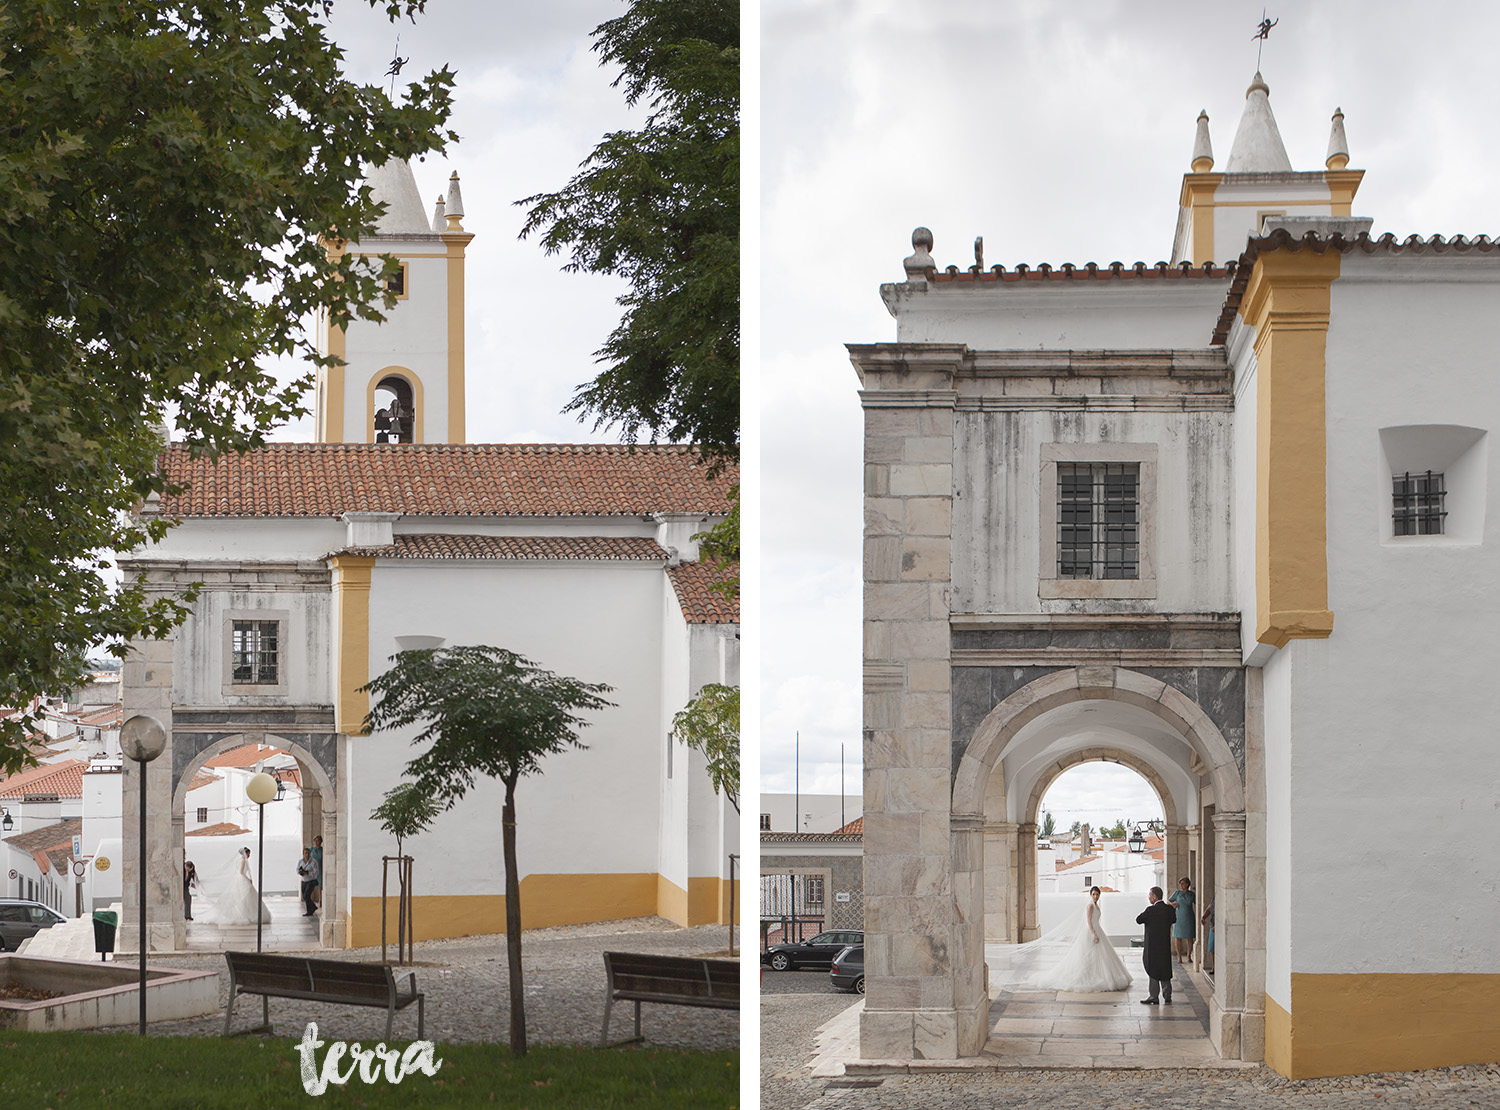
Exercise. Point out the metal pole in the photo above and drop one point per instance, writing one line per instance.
(797, 787)
(733, 859)
(260, 894)
(842, 822)
(141, 878)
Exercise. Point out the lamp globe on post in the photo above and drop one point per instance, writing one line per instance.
(142, 738)
(261, 789)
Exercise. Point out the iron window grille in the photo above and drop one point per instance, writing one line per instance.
(814, 888)
(203, 815)
(254, 653)
(765, 822)
(1417, 501)
(1098, 520)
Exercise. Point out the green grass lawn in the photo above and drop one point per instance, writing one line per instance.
(120, 1071)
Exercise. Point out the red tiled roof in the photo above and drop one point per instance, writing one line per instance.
(223, 828)
(701, 604)
(1076, 863)
(434, 545)
(855, 827)
(63, 779)
(1089, 270)
(246, 755)
(330, 479)
(109, 715)
(203, 778)
(57, 835)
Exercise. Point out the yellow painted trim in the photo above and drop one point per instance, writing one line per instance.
(1198, 197)
(332, 430)
(1353, 1024)
(1278, 1037)
(671, 900)
(1342, 185)
(457, 242)
(546, 900)
(411, 379)
(1287, 302)
(351, 597)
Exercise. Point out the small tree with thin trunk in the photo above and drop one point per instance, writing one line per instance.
(711, 724)
(406, 811)
(488, 712)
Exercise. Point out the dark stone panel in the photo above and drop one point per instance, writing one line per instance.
(1002, 638)
(976, 691)
(188, 745)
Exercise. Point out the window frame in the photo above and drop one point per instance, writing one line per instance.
(1050, 584)
(284, 661)
(1419, 509)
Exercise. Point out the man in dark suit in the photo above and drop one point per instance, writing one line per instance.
(1158, 918)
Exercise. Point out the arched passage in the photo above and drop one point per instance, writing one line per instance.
(1058, 721)
(319, 818)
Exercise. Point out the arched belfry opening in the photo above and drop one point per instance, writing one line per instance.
(395, 410)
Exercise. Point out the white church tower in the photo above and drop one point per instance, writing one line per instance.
(402, 380)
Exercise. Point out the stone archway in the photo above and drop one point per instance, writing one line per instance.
(320, 817)
(1211, 753)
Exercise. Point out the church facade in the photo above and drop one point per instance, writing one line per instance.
(317, 562)
(1225, 523)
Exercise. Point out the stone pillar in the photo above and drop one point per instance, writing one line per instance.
(1027, 881)
(146, 688)
(923, 908)
(1253, 1022)
(999, 885)
(1176, 857)
(1228, 1003)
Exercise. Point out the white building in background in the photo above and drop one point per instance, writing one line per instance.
(319, 561)
(810, 813)
(1226, 520)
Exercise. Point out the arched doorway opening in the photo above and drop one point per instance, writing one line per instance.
(1092, 713)
(395, 410)
(318, 817)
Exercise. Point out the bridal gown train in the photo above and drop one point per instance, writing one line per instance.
(236, 904)
(1091, 964)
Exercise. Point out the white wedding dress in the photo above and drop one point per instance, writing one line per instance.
(236, 903)
(1074, 955)
(1091, 964)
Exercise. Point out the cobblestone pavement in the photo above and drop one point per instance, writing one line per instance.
(790, 1018)
(466, 983)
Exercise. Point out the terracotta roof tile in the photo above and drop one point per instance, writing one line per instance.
(1089, 270)
(1076, 862)
(853, 828)
(701, 604)
(436, 545)
(223, 828)
(203, 778)
(49, 836)
(63, 779)
(330, 479)
(246, 755)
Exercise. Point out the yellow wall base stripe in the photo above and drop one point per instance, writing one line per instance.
(545, 900)
(1353, 1024)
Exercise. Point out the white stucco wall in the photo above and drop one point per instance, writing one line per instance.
(201, 667)
(588, 812)
(1393, 717)
(676, 688)
(998, 514)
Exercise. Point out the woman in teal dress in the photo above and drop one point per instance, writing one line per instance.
(1186, 929)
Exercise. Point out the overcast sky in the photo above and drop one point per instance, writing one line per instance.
(530, 103)
(1059, 132)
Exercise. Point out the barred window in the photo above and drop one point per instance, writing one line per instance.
(255, 658)
(1417, 501)
(765, 822)
(813, 889)
(203, 815)
(1098, 520)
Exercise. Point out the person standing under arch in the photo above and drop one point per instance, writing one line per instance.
(1156, 955)
(1185, 928)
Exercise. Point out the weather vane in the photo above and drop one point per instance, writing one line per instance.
(397, 63)
(1262, 33)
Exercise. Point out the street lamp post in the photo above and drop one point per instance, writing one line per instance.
(261, 789)
(142, 738)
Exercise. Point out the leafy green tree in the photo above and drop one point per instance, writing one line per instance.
(711, 725)
(489, 712)
(172, 176)
(1049, 824)
(1115, 831)
(406, 811)
(1076, 827)
(660, 207)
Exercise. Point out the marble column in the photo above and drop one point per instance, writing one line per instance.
(1228, 1003)
(999, 882)
(1026, 878)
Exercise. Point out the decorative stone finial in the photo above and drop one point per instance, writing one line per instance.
(921, 257)
(1258, 82)
(439, 223)
(455, 208)
(1338, 145)
(979, 252)
(1203, 151)
(1257, 146)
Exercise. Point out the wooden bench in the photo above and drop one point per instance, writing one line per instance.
(670, 980)
(353, 984)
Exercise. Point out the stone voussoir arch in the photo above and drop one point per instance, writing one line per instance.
(304, 757)
(1007, 719)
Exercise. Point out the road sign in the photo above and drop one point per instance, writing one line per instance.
(102, 863)
(13, 874)
(77, 846)
(79, 867)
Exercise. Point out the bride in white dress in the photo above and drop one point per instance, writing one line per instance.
(1091, 963)
(237, 900)
(1075, 955)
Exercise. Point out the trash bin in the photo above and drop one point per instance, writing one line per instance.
(105, 924)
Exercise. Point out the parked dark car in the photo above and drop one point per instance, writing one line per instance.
(21, 919)
(848, 970)
(817, 951)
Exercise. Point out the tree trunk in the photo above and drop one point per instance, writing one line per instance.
(513, 922)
